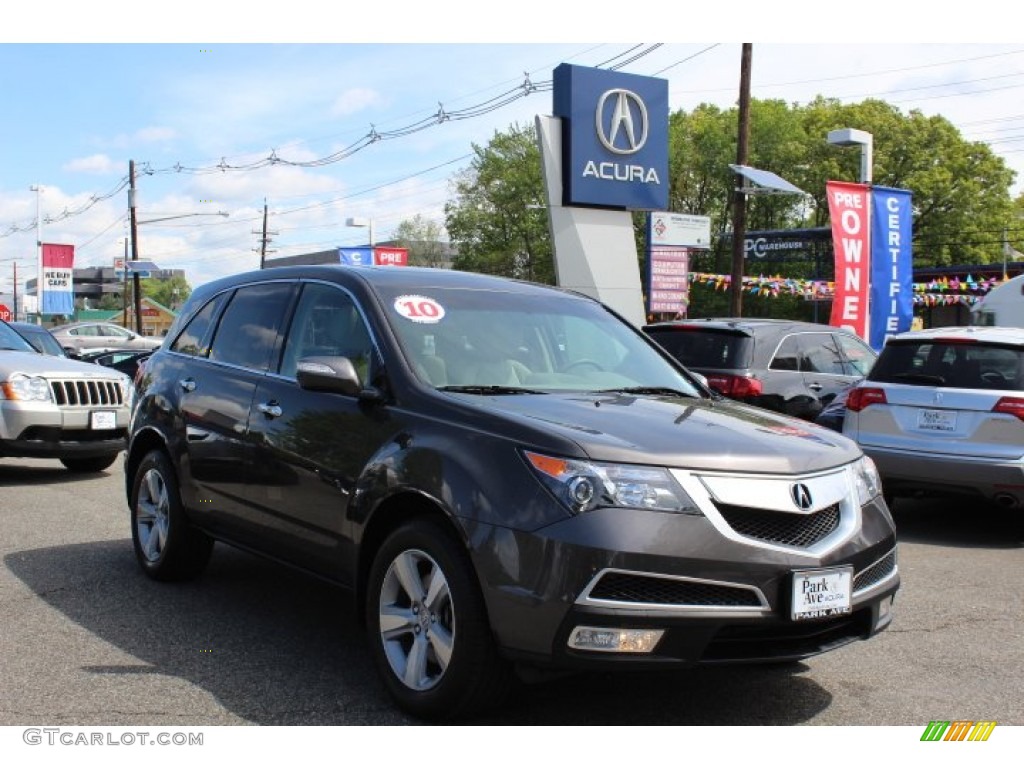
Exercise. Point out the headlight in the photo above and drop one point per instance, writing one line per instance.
(22, 387)
(869, 484)
(585, 485)
(128, 391)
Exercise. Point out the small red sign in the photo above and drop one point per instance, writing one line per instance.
(5, 313)
(391, 257)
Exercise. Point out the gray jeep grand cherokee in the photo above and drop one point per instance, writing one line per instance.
(54, 408)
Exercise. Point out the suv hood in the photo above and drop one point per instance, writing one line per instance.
(679, 432)
(48, 366)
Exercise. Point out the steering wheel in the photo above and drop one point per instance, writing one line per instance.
(581, 362)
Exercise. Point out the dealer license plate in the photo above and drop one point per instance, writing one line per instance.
(102, 420)
(821, 594)
(936, 421)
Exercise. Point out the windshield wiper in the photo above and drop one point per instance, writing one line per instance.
(921, 378)
(490, 389)
(649, 391)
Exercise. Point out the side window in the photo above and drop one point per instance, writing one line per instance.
(247, 334)
(819, 353)
(327, 323)
(110, 330)
(786, 355)
(859, 356)
(193, 337)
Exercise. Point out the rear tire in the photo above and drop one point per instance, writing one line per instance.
(166, 544)
(92, 464)
(427, 626)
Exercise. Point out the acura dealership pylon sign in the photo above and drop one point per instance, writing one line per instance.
(614, 138)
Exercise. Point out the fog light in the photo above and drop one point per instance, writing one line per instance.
(615, 640)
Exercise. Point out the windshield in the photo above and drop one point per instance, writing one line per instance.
(466, 338)
(11, 339)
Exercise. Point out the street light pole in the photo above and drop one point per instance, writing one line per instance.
(851, 137)
(362, 221)
(39, 256)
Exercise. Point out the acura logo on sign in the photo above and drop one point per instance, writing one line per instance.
(617, 129)
(801, 496)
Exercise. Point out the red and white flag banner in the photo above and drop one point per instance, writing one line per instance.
(848, 209)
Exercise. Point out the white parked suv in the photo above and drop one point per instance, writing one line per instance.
(942, 411)
(56, 408)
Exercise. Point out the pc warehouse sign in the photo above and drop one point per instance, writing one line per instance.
(614, 138)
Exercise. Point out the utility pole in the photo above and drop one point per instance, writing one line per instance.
(264, 238)
(136, 283)
(739, 213)
(15, 290)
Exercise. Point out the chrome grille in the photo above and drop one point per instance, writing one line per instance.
(786, 528)
(637, 588)
(875, 573)
(87, 392)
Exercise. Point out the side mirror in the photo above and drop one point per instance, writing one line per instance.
(328, 374)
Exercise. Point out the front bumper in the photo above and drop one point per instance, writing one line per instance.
(717, 599)
(45, 430)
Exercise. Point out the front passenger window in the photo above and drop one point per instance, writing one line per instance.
(327, 324)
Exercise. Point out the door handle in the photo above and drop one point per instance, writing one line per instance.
(271, 410)
(815, 386)
(187, 384)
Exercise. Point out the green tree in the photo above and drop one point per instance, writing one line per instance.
(422, 237)
(961, 198)
(497, 220)
(171, 292)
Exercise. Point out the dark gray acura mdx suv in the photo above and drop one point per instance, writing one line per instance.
(503, 475)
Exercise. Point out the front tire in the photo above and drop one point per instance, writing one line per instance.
(427, 626)
(92, 464)
(166, 544)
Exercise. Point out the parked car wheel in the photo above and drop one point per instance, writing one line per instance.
(92, 464)
(166, 545)
(428, 626)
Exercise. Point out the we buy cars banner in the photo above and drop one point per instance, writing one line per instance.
(848, 209)
(57, 289)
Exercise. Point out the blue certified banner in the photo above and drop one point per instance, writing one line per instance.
(356, 257)
(614, 138)
(892, 264)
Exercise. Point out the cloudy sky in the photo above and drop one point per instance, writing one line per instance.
(87, 91)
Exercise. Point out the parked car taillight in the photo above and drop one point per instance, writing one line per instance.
(860, 398)
(735, 386)
(1011, 405)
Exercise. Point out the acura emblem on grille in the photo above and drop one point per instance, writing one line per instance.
(801, 495)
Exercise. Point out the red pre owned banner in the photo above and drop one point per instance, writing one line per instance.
(848, 209)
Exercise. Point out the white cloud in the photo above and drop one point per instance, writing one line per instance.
(153, 134)
(99, 164)
(355, 100)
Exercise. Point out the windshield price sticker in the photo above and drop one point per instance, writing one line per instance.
(419, 309)
(936, 421)
(102, 420)
(821, 594)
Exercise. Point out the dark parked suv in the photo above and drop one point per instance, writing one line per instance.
(500, 474)
(783, 365)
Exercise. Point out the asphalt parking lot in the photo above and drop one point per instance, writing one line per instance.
(86, 639)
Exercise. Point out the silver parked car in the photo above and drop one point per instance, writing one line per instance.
(77, 337)
(942, 411)
(55, 408)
